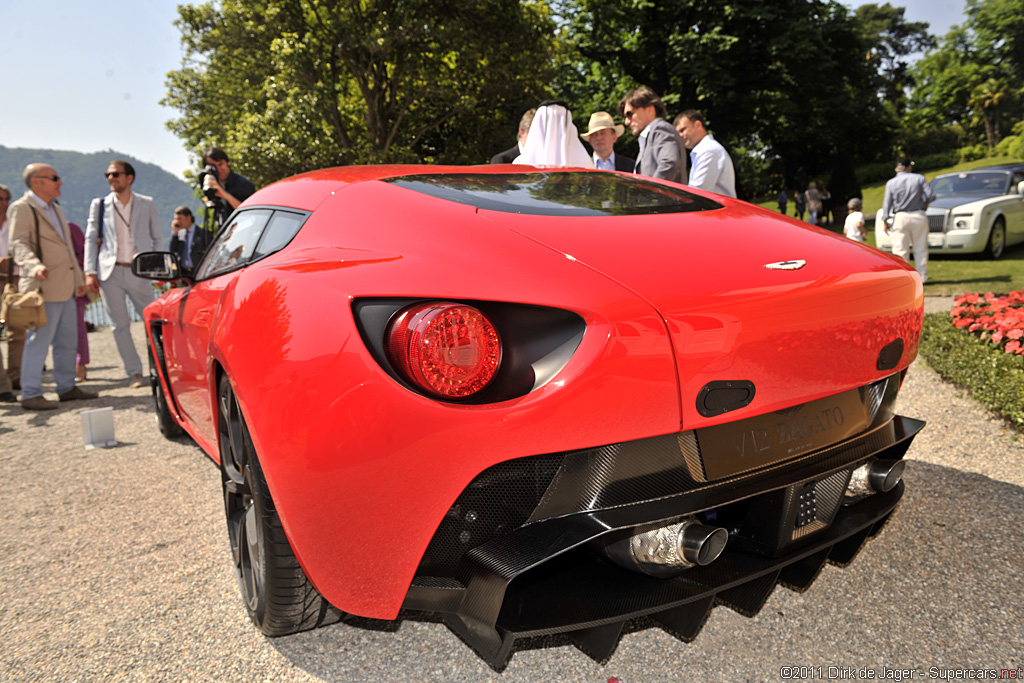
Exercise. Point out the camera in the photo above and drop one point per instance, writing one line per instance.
(207, 174)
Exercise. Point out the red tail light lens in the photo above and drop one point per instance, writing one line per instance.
(446, 349)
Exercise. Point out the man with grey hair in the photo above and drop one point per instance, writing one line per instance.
(42, 250)
(509, 155)
(907, 196)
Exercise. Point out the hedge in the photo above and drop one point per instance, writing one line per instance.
(993, 377)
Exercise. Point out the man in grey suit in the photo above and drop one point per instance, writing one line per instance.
(662, 154)
(121, 225)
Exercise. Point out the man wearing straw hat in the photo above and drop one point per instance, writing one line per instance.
(602, 132)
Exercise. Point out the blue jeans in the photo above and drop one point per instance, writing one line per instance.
(60, 331)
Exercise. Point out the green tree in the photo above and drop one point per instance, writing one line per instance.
(985, 102)
(788, 81)
(974, 79)
(892, 39)
(291, 85)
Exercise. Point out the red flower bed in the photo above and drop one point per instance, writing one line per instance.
(996, 319)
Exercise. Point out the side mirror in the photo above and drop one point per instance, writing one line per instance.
(157, 265)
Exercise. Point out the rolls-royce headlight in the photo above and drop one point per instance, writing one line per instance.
(963, 222)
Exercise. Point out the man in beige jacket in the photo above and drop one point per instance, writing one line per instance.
(47, 263)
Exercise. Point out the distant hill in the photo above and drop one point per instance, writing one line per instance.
(83, 181)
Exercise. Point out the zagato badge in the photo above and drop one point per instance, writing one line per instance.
(786, 265)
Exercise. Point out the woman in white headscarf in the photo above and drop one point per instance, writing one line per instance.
(553, 140)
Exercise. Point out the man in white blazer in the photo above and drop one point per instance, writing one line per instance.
(121, 225)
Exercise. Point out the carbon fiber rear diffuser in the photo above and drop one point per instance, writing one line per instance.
(679, 606)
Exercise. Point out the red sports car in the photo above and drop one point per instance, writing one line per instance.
(533, 401)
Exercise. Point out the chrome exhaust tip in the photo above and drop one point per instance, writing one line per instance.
(877, 476)
(665, 551)
(883, 475)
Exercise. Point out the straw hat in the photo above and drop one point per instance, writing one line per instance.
(599, 121)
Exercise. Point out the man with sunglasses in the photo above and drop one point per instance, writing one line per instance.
(121, 224)
(662, 154)
(42, 249)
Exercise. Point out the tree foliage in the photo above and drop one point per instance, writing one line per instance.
(796, 90)
(786, 80)
(892, 39)
(290, 85)
(974, 79)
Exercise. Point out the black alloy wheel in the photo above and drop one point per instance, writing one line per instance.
(164, 420)
(278, 596)
(996, 240)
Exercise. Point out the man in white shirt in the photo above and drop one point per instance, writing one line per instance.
(710, 165)
(602, 133)
(121, 225)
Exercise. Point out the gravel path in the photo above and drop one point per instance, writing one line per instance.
(114, 566)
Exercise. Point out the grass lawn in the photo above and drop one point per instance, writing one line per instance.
(951, 274)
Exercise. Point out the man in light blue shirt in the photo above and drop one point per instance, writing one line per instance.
(711, 167)
(602, 132)
(907, 196)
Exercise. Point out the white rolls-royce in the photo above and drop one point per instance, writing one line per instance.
(974, 212)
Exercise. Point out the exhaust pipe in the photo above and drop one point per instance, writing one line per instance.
(665, 551)
(877, 476)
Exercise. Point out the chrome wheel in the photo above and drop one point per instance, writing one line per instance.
(996, 240)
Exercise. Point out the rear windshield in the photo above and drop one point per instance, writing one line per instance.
(574, 193)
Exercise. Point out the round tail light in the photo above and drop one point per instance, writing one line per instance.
(446, 349)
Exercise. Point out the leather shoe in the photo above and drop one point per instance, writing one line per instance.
(8, 397)
(136, 381)
(77, 394)
(38, 403)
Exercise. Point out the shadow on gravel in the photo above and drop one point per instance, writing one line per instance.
(940, 584)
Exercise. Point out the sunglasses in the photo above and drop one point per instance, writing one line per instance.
(54, 178)
(113, 174)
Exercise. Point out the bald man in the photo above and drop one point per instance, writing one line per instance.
(42, 250)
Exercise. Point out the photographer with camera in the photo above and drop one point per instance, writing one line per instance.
(223, 189)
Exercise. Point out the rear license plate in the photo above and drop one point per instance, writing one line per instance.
(736, 447)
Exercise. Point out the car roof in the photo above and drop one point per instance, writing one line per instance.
(1007, 168)
(307, 190)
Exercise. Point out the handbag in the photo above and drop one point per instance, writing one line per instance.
(26, 310)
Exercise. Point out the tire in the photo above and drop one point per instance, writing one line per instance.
(164, 420)
(277, 594)
(996, 240)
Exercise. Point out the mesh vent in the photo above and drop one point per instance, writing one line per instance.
(497, 501)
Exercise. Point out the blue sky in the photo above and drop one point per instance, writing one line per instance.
(89, 76)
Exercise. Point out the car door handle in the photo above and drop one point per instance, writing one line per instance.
(203, 316)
